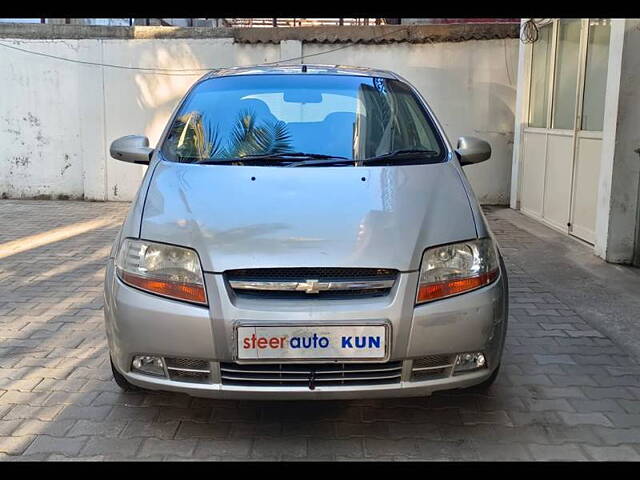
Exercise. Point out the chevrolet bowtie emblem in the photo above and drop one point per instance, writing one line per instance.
(311, 286)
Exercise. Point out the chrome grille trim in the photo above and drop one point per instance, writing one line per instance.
(300, 374)
(318, 380)
(318, 282)
(303, 371)
(311, 286)
(192, 370)
(430, 368)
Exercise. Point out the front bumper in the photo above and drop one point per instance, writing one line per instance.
(140, 323)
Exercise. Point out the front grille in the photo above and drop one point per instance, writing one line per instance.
(300, 375)
(431, 367)
(302, 273)
(188, 370)
(334, 283)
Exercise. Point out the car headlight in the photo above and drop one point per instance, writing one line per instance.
(457, 268)
(166, 270)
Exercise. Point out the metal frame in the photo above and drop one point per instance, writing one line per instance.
(577, 116)
(548, 130)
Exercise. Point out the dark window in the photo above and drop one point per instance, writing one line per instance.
(338, 115)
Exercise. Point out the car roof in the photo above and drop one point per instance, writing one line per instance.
(313, 69)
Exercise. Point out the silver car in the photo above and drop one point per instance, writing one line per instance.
(304, 232)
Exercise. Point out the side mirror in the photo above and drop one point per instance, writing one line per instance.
(472, 150)
(132, 148)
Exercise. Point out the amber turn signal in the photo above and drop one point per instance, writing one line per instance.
(181, 291)
(433, 291)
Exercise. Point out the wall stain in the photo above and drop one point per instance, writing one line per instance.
(67, 164)
(32, 119)
(20, 161)
(41, 140)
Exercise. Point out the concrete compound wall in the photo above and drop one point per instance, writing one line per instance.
(618, 208)
(58, 118)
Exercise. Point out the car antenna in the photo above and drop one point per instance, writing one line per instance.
(304, 69)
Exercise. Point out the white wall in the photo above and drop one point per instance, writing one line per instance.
(58, 118)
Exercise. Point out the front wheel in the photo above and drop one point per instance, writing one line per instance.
(122, 382)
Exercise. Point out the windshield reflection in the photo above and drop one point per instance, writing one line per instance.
(268, 115)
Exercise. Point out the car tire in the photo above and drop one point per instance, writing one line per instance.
(122, 382)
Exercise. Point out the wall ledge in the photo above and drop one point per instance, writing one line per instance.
(381, 34)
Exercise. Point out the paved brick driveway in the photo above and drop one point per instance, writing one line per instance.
(566, 392)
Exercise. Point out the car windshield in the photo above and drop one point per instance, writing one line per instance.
(276, 118)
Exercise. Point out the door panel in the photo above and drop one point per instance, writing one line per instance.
(585, 190)
(557, 191)
(534, 154)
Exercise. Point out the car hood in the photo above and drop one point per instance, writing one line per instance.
(253, 217)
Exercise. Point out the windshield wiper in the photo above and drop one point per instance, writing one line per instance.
(405, 153)
(297, 155)
(322, 162)
(319, 159)
(285, 156)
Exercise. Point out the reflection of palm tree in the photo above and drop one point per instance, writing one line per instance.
(193, 139)
(249, 139)
(200, 139)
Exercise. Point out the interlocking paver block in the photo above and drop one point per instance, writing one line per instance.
(165, 430)
(565, 391)
(15, 445)
(56, 428)
(59, 445)
(622, 453)
(625, 420)
(585, 419)
(555, 405)
(155, 446)
(492, 452)
(202, 430)
(328, 449)
(98, 428)
(113, 446)
(617, 436)
(120, 412)
(28, 412)
(84, 413)
(276, 447)
(223, 448)
(557, 452)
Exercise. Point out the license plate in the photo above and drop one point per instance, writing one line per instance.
(311, 342)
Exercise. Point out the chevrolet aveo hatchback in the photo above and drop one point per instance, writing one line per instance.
(304, 232)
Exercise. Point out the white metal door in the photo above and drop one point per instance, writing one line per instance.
(560, 151)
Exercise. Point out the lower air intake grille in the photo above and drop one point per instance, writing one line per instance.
(188, 370)
(306, 375)
(432, 367)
